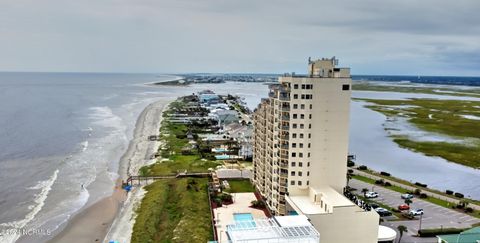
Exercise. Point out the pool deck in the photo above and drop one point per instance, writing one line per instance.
(241, 204)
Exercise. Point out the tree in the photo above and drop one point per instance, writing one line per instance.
(401, 229)
(408, 201)
(349, 177)
(364, 191)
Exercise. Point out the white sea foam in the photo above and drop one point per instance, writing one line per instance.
(104, 116)
(84, 146)
(39, 201)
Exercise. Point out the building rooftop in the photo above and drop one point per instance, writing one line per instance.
(468, 236)
(311, 203)
(274, 230)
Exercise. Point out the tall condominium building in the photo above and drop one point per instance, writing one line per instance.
(300, 150)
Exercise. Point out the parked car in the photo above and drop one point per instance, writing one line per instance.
(371, 194)
(407, 196)
(383, 212)
(403, 207)
(416, 212)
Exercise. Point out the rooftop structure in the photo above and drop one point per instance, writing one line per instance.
(467, 236)
(279, 229)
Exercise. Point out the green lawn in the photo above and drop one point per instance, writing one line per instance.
(240, 186)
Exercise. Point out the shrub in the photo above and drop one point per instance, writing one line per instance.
(350, 163)
(449, 192)
(350, 171)
(423, 195)
(258, 204)
(387, 184)
(459, 195)
(441, 231)
(420, 184)
(468, 210)
(384, 173)
(362, 167)
(417, 192)
(379, 182)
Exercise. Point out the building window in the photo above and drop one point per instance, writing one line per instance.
(294, 116)
(300, 155)
(294, 125)
(301, 126)
(311, 106)
(310, 116)
(303, 96)
(308, 183)
(292, 173)
(295, 96)
(300, 145)
(302, 116)
(300, 164)
(294, 145)
(309, 145)
(301, 135)
(346, 87)
(294, 154)
(292, 183)
(294, 135)
(308, 164)
(308, 154)
(309, 135)
(299, 183)
(295, 86)
(308, 173)
(295, 106)
(310, 126)
(303, 86)
(293, 164)
(300, 173)
(302, 106)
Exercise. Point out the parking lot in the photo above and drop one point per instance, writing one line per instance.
(434, 216)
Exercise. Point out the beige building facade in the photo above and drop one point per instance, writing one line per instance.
(300, 150)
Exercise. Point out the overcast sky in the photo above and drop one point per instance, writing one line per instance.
(426, 37)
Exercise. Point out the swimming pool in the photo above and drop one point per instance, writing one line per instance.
(242, 217)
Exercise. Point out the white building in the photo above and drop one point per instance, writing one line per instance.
(300, 151)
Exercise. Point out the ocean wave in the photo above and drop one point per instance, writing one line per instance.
(104, 117)
(39, 201)
(84, 146)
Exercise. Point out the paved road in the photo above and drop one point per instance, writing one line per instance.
(434, 217)
(411, 188)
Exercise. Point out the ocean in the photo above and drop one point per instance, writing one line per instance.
(62, 135)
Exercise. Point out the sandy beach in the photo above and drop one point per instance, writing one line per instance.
(112, 218)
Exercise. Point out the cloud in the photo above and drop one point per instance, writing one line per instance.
(371, 36)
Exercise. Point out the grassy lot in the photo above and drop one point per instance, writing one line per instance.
(172, 211)
(240, 186)
(441, 117)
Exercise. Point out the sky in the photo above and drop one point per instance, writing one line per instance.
(409, 37)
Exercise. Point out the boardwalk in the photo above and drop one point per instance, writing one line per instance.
(146, 179)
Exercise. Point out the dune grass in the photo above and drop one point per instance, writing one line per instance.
(171, 211)
(175, 210)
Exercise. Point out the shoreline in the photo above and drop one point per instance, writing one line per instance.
(111, 216)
